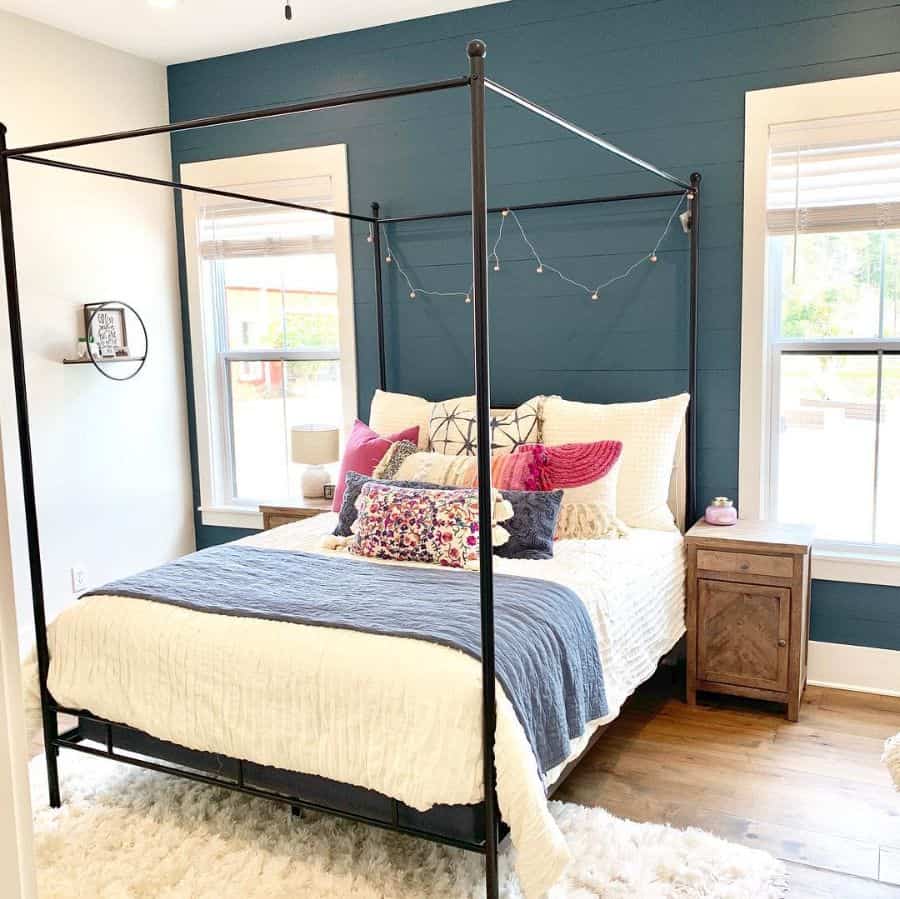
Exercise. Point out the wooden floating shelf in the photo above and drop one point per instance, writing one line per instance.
(101, 361)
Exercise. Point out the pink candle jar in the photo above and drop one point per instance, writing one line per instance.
(721, 511)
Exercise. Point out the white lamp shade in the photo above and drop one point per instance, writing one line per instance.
(315, 444)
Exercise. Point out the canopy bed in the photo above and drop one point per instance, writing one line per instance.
(473, 826)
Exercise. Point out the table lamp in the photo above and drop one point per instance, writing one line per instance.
(314, 446)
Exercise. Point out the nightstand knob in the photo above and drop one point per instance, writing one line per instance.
(745, 566)
(782, 642)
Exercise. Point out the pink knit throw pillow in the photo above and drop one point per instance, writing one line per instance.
(572, 464)
(587, 474)
(363, 452)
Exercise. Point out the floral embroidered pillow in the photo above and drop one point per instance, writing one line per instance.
(435, 526)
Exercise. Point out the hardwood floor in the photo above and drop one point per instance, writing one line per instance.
(813, 793)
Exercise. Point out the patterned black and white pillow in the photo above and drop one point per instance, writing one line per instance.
(452, 429)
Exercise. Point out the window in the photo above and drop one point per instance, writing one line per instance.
(270, 295)
(820, 387)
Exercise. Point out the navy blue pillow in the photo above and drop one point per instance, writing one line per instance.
(531, 529)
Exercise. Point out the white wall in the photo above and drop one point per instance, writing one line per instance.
(16, 856)
(111, 460)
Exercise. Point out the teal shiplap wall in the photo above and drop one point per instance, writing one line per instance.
(665, 79)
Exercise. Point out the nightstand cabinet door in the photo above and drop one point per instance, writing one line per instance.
(743, 634)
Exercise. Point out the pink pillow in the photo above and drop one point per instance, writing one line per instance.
(587, 474)
(572, 464)
(363, 451)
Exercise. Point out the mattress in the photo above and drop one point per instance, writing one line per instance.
(394, 715)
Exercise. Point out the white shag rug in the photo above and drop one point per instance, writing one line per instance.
(125, 833)
(891, 758)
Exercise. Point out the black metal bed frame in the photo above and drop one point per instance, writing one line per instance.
(94, 729)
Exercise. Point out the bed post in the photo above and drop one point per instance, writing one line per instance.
(379, 298)
(31, 527)
(477, 50)
(691, 500)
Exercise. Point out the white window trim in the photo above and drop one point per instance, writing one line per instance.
(262, 168)
(764, 108)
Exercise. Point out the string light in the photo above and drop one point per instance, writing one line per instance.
(593, 292)
(415, 291)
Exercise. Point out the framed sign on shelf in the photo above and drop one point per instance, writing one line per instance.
(104, 323)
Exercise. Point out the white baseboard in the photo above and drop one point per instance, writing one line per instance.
(858, 668)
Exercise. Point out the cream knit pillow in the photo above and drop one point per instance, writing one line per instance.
(394, 412)
(649, 434)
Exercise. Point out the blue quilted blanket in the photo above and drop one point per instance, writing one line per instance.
(546, 650)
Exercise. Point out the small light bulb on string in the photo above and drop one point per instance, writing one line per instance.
(653, 257)
(496, 266)
(540, 269)
(387, 258)
(505, 213)
(595, 295)
(412, 294)
(369, 238)
(468, 298)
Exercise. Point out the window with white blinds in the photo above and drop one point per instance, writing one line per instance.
(272, 286)
(833, 296)
(834, 175)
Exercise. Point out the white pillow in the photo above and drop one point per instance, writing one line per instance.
(395, 412)
(649, 434)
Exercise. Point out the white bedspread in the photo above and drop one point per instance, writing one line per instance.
(399, 716)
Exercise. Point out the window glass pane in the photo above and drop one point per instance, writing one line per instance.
(267, 399)
(887, 529)
(836, 291)
(258, 430)
(892, 284)
(313, 392)
(280, 302)
(826, 448)
(310, 301)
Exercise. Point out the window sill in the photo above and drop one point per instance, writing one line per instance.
(231, 517)
(856, 567)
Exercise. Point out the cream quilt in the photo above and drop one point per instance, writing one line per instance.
(395, 715)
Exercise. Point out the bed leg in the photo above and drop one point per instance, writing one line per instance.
(296, 811)
(51, 754)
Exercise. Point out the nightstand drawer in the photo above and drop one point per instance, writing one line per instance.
(745, 563)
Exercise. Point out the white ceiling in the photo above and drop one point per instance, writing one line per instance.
(196, 29)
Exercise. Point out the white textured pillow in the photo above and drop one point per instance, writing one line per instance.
(649, 434)
(395, 412)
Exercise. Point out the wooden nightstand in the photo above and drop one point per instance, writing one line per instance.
(748, 611)
(275, 516)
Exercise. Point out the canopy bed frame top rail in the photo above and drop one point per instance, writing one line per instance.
(477, 85)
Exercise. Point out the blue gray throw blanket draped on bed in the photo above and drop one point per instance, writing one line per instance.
(546, 649)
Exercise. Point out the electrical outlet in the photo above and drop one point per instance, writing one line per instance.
(79, 579)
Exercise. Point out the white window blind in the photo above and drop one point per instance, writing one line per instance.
(836, 174)
(240, 230)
